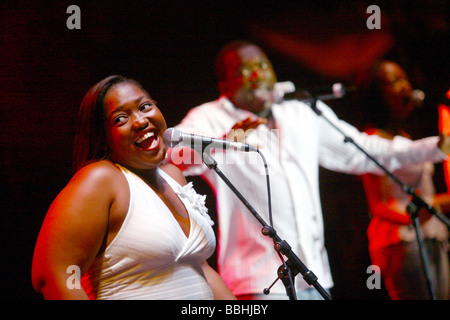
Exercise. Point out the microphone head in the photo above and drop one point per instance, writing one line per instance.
(172, 137)
(280, 89)
(338, 90)
(417, 97)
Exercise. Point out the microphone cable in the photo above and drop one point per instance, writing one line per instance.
(269, 197)
(266, 291)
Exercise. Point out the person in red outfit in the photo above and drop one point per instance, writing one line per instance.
(393, 243)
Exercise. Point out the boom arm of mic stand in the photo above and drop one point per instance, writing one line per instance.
(282, 246)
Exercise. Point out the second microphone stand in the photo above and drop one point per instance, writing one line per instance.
(414, 206)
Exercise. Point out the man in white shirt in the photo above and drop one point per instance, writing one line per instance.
(295, 141)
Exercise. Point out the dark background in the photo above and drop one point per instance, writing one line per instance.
(170, 46)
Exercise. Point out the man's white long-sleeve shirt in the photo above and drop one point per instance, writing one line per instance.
(300, 142)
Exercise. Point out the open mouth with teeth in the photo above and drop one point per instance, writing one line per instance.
(148, 141)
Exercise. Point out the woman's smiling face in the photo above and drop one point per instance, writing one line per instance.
(134, 127)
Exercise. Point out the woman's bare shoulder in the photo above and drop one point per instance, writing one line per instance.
(100, 175)
(98, 171)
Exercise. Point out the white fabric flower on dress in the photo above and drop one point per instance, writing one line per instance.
(197, 200)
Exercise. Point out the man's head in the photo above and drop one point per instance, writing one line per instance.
(245, 76)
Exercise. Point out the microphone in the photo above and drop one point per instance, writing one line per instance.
(281, 90)
(417, 97)
(287, 91)
(176, 138)
(335, 91)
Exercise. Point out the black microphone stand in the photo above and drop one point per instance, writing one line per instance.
(293, 265)
(413, 207)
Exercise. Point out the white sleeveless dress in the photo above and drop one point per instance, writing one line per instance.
(151, 257)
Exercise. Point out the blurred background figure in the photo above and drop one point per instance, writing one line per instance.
(390, 99)
(295, 142)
